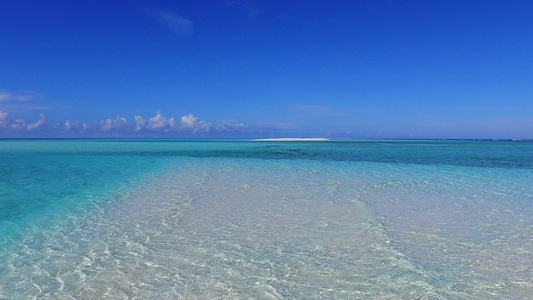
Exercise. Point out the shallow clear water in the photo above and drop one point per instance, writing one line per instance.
(233, 219)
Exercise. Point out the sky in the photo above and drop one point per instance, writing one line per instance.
(254, 68)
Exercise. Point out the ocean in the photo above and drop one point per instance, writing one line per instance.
(240, 219)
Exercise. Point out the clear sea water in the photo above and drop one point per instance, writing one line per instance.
(236, 219)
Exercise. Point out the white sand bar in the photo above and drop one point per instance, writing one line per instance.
(292, 140)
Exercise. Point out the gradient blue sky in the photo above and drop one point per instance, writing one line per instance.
(360, 69)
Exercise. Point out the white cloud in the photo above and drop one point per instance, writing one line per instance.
(227, 126)
(157, 123)
(173, 124)
(75, 126)
(17, 125)
(68, 125)
(20, 124)
(118, 124)
(4, 119)
(187, 123)
(39, 123)
(18, 96)
(174, 22)
(139, 123)
(192, 123)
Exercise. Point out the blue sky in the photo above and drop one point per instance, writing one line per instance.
(359, 69)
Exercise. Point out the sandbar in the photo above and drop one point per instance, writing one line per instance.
(291, 140)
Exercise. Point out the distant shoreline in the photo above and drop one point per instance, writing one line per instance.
(291, 140)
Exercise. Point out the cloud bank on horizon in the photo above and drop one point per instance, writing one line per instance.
(186, 125)
(18, 125)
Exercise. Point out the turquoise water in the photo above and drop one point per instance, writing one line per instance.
(235, 219)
